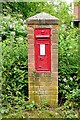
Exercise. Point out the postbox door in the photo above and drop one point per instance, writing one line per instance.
(42, 50)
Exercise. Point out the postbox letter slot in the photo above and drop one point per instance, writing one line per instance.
(42, 36)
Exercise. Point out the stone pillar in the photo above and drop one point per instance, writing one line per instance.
(43, 86)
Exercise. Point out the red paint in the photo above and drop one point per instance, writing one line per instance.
(42, 62)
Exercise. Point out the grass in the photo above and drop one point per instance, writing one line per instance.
(31, 110)
(40, 111)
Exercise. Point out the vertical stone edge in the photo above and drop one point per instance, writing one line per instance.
(54, 60)
(31, 62)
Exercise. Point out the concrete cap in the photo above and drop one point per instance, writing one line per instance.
(42, 18)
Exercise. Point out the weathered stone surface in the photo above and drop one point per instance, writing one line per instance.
(55, 67)
(54, 51)
(43, 26)
(31, 36)
(54, 37)
(31, 46)
(51, 100)
(42, 18)
(30, 30)
(54, 46)
(37, 99)
(31, 97)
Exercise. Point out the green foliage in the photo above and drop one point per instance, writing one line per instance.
(69, 113)
(30, 106)
(68, 71)
(35, 106)
(77, 3)
(15, 69)
(26, 8)
(74, 98)
(68, 60)
(15, 66)
(73, 101)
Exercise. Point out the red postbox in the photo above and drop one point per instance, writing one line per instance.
(42, 45)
